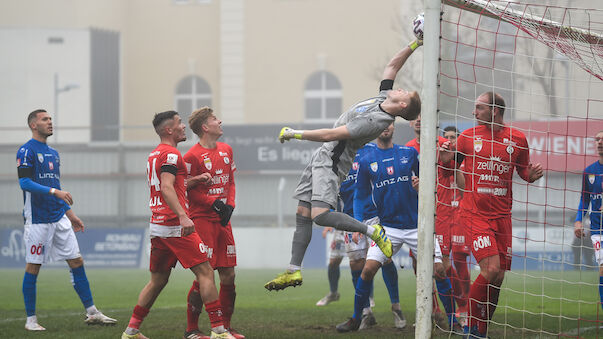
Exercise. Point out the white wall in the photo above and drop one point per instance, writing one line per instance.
(28, 63)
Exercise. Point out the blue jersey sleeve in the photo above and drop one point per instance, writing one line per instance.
(363, 189)
(584, 198)
(31, 186)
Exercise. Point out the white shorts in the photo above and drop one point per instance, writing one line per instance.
(338, 245)
(399, 237)
(357, 251)
(597, 239)
(45, 243)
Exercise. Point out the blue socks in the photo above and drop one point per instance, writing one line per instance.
(29, 293)
(390, 277)
(81, 285)
(333, 274)
(601, 290)
(361, 299)
(355, 276)
(445, 293)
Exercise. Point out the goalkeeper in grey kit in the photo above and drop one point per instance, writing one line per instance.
(320, 181)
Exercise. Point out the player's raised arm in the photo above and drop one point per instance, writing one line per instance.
(320, 135)
(395, 64)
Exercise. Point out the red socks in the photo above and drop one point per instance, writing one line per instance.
(194, 306)
(227, 300)
(138, 316)
(483, 300)
(457, 287)
(214, 311)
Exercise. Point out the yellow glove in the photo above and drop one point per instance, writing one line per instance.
(288, 133)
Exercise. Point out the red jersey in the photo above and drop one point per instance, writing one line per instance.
(219, 163)
(414, 143)
(490, 159)
(448, 195)
(165, 158)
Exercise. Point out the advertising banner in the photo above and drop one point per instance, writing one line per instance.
(107, 247)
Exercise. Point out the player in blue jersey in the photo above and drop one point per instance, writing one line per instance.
(592, 190)
(385, 175)
(50, 222)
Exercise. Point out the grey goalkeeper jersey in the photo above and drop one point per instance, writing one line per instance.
(365, 122)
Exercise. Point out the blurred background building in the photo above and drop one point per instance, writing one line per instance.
(103, 68)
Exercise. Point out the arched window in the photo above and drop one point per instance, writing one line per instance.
(192, 92)
(322, 97)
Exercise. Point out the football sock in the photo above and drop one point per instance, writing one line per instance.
(462, 270)
(227, 300)
(214, 311)
(355, 276)
(390, 277)
(333, 273)
(138, 316)
(478, 298)
(194, 306)
(361, 298)
(445, 292)
(340, 221)
(457, 287)
(29, 293)
(81, 285)
(301, 239)
(493, 293)
(601, 290)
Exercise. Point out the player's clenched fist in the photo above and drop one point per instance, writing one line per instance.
(289, 133)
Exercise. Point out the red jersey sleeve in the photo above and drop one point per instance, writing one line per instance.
(230, 200)
(523, 158)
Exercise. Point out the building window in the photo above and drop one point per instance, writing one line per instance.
(322, 97)
(192, 92)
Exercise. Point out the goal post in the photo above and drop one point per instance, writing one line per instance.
(546, 59)
(427, 169)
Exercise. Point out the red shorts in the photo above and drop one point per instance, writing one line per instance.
(165, 252)
(461, 238)
(443, 227)
(489, 237)
(221, 250)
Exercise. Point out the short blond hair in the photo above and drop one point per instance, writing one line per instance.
(198, 118)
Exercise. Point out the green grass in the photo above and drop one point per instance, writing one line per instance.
(290, 313)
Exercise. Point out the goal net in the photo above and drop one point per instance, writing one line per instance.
(546, 60)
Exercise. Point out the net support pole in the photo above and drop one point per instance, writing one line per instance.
(427, 170)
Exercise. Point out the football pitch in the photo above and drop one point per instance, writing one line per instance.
(291, 313)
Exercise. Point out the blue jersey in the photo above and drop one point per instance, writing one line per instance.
(387, 175)
(592, 190)
(42, 163)
(348, 189)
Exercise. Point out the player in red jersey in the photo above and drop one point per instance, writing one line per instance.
(451, 183)
(491, 152)
(173, 236)
(443, 279)
(211, 205)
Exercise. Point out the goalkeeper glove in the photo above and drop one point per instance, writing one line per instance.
(415, 44)
(223, 210)
(289, 133)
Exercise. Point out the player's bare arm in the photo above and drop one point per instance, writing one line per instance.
(319, 135)
(193, 181)
(531, 173)
(171, 198)
(446, 152)
(326, 230)
(395, 64)
(76, 223)
(63, 195)
(579, 228)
